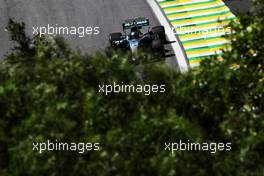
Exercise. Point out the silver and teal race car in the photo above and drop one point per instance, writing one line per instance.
(133, 38)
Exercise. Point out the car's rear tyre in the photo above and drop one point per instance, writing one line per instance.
(115, 37)
(160, 31)
(157, 45)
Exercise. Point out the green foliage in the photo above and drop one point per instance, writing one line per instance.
(48, 91)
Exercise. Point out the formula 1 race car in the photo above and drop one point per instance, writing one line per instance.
(154, 39)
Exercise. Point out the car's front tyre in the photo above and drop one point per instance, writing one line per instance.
(114, 37)
(160, 32)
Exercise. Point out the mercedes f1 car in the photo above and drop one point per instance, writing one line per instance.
(133, 38)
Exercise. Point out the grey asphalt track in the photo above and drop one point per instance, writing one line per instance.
(106, 14)
(239, 6)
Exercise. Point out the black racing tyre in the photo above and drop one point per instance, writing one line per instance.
(160, 31)
(157, 45)
(115, 37)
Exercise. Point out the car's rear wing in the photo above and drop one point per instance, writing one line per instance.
(138, 22)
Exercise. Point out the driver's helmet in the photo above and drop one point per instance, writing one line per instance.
(135, 33)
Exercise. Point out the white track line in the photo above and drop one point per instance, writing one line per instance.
(177, 49)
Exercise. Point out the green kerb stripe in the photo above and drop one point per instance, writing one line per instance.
(203, 57)
(201, 39)
(205, 47)
(186, 5)
(211, 8)
(202, 16)
(201, 24)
